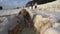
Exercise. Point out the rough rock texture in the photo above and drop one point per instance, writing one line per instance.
(41, 20)
(42, 24)
(16, 24)
(54, 30)
(3, 27)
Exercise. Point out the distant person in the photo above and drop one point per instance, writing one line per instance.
(35, 6)
(1, 8)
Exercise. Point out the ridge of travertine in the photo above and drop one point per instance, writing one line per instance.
(50, 6)
(32, 12)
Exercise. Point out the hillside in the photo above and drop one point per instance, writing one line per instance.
(50, 6)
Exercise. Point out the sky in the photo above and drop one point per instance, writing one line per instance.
(9, 4)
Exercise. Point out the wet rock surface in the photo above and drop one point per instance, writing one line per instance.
(44, 17)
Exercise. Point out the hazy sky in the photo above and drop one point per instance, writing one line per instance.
(8, 4)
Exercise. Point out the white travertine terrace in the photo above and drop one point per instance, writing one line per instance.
(50, 6)
(44, 15)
